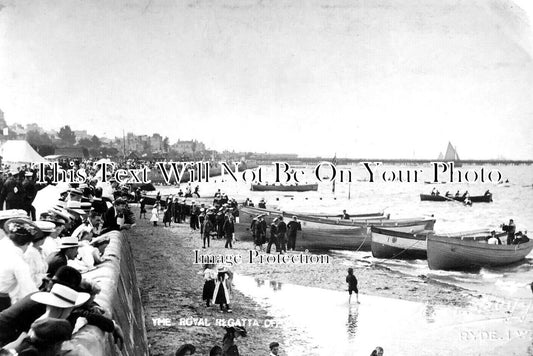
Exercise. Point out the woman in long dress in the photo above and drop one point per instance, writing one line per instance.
(210, 275)
(221, 294)
(155, 215)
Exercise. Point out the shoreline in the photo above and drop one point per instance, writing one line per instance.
(171, 288)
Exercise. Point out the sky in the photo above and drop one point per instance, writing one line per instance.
(356, 78)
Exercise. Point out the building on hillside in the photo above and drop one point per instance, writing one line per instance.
(188, 146)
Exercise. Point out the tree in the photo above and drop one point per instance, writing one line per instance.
(85, 143)
(165, 144)
(67, 136)
(36, 139)
(96, 143)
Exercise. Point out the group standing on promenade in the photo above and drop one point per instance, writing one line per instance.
(42, 258)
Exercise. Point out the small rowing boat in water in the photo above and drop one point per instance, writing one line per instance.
(487, 198)
(469, 250)
(285, 188)
(389, 243)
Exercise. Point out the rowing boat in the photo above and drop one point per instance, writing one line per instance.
(469, 250)
(326, 234)
(284, 188)
(487, 198)
(389, 243)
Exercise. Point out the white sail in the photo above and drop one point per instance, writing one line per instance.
(450, 155)
(441, 156)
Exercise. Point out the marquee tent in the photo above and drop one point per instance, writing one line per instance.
(19, 151)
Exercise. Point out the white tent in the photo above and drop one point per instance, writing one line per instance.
(19, 151)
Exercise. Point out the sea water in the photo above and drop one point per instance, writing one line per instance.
(402, 199)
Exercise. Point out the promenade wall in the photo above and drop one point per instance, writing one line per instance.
(120, 298)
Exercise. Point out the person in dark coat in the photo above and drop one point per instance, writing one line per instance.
(167, 217)
(292, 229)
(30, 192)
(68, 250)
(510, 229)
(207, 228)
(112, 214)
(228, 341)
(195, 211)
(13, 193)
(273, 236)
(220, 224)
(281, 231)
(229, 229)
(142, 214)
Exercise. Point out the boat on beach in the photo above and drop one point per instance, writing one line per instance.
(325, 233)
(390, 243)
(469, 250)
(487, 198)
(284, 188)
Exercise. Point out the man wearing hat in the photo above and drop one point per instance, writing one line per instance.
(274, 348)
(15, 274)
(30, 192)
(19, 317)
(113, 214)
(12, 192)
(68, 250)
(292, 229)
(273, 236)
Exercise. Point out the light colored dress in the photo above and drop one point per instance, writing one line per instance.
(155, 215)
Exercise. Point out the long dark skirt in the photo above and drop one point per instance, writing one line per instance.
(209, 289)
(221, 296)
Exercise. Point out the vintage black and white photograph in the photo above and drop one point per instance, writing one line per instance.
(266, 177)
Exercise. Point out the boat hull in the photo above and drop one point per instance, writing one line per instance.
(328, 234)
(388, 243)
(285, 188)
(473, 199)
(452, 253)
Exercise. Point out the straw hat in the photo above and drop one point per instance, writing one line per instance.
(68, 242)
(12, 213)
(61, 296)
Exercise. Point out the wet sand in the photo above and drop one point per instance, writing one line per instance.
(171, 287)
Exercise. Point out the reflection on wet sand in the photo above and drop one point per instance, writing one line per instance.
(320, 321)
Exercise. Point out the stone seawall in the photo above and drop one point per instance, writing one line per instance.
(121, 300)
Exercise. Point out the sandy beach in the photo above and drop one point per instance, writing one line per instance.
(171, 289)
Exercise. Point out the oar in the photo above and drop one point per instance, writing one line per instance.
(451, 199)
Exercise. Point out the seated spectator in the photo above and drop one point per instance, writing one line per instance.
(15, 274)
(67, 250)
(34, 255)
(44, 338)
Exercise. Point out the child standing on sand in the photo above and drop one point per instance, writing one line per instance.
(352, 286)
(155, 215)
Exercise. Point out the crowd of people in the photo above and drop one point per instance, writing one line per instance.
(43, 296)
(229, 348)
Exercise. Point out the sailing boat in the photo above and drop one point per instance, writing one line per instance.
(452, 156)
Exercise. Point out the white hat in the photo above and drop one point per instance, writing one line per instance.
(61, 296)
(12, 213)
(45, 226)
(68, 242)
